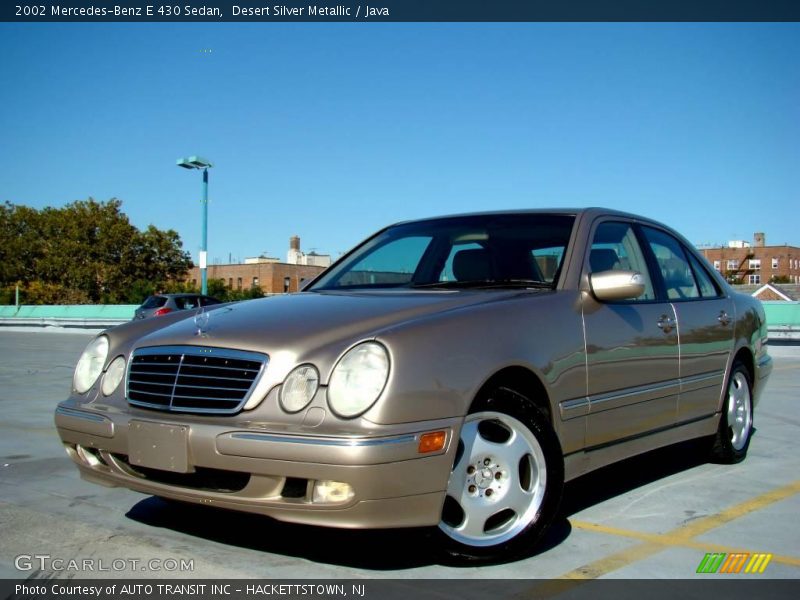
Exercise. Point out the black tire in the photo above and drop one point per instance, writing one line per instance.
(736, 421)
(506, 483)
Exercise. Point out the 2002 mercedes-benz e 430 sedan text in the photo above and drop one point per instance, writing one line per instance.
(450, 372)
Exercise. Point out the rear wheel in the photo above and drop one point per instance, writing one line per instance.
(506, 482)
(736, 422)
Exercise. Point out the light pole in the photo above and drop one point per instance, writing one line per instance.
(196, 162)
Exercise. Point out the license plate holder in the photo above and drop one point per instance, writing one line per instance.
(159, 446)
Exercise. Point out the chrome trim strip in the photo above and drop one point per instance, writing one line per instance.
(703, 377)
(200, 351)
(573, 404)
(79, 414)
(319, 441)
(571, 409)
(637, 391)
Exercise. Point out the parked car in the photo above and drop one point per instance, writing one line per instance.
(162, 304)
(450, 372)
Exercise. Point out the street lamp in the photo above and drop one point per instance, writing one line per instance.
(196, 162)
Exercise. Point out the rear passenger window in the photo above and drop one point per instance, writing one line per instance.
(677, 275)
(708, 288)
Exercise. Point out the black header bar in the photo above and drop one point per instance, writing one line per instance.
(377, 11)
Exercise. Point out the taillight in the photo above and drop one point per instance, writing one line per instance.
(162, 311)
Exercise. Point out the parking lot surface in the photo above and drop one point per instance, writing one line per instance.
(655, 516)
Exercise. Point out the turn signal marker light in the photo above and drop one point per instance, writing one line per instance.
(432, 442)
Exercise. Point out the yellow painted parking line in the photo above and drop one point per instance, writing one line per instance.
(701, 526)
(652, 544)
(683, 533)
(666, 539)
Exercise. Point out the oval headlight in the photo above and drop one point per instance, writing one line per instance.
(90, 364)
(358, 379)
(299, 388)
(114, 375)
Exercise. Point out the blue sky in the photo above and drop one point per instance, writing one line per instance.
(331, 131)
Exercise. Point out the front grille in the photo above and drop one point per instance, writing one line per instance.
(193, 379)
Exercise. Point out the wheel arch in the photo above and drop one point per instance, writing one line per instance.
(523, 381)
(741, 355)
(745, 356)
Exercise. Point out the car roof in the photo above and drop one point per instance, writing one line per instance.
(586, 211)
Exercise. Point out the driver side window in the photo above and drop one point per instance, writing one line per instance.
(616, 248)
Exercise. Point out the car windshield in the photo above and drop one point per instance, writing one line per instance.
(477, 251)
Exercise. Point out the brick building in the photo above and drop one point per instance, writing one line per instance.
(756, 263)
(271, 277)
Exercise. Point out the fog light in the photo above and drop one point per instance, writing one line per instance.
(330, 492)
(431, 442)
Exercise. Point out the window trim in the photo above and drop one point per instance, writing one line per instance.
(687, 250)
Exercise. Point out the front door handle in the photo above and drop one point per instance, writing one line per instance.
(666, 323)
(724, 318)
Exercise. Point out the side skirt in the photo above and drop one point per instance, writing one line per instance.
(580, 463)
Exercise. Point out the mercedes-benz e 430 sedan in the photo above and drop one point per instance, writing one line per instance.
(451, 372)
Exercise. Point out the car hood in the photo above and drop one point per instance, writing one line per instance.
(307, 323)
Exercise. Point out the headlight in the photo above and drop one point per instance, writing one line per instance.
(299, 388)
(90, 364)
(114, 375)
(358, 379)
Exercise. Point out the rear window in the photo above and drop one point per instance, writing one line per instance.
(154, 302)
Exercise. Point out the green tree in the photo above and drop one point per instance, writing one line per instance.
(87, 251)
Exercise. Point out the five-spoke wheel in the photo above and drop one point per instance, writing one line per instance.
(506, 480)
(736, 422)
(498, 482)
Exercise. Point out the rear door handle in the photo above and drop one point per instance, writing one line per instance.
(723, 318)
(666, 323)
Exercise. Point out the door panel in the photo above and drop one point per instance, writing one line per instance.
(705, 324)
(706, 344)
(633, 375)
(632, 347)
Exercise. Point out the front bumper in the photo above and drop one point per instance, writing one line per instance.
(255, 469)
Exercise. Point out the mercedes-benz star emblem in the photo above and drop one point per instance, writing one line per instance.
(201, 319)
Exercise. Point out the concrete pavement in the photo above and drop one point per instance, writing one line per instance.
(652, 516)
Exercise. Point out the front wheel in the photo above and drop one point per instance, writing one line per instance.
(736, 422)
(506, 482)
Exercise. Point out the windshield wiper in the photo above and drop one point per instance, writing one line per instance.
(485, 284)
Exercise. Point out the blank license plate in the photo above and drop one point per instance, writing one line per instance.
(159, 446)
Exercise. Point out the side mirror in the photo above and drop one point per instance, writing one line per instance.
(616, 285)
